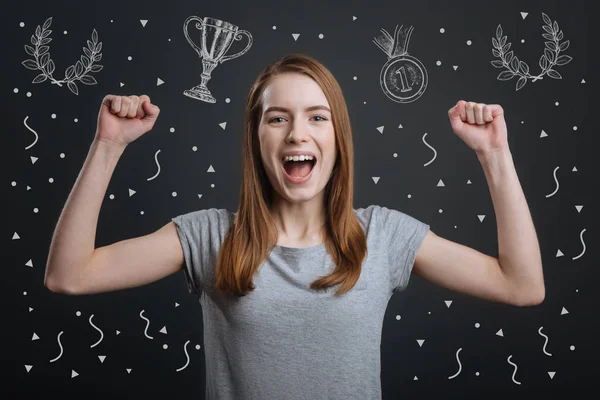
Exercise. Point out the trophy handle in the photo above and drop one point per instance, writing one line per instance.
(238, 36)
(187, 36)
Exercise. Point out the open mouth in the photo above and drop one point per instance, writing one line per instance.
(299, 169)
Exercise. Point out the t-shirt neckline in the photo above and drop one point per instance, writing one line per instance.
(298, 250)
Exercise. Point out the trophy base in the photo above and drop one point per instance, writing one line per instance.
(200, 93)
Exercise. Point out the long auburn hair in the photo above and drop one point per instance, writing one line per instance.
(253, 233)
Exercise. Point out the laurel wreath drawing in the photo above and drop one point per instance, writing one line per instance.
(518, 68)
(77, 72)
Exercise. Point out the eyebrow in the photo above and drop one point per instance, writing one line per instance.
(311, 108)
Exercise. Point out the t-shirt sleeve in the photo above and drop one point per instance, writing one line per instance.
(403, 236)
(200, 234)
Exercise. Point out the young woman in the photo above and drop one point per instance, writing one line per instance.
(294, 285)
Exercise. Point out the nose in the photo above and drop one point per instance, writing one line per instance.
(298, 132)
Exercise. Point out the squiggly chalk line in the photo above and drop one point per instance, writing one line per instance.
(583, 243)
(434, 152)
(186, 356)
(59, 345)
(459, 365)
(34, 132)
(157, 164)
(545, 342)
(98, 329)
(555, 180)
(515, 371)
(147, 325)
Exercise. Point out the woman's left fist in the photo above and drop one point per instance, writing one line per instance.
(480, 126)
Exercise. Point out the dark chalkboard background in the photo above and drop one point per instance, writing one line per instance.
(52, 342)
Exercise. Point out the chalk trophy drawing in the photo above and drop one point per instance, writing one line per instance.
(78, 72)
(216, 38)
(518, 68)
(403, 78)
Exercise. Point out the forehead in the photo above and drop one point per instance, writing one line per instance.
(292, 90)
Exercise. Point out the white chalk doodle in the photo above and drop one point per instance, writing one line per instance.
(216, 38)
(459, 365)
(555, 180)
(434, 151)
(157, 164)
(147, 325)
(187, 356)
(59, 345)
(98, 329)
(78, 72)
(545, 342)
(403, 78)
(518, 68)
(34, 132)
(582, 243)
(515, 371)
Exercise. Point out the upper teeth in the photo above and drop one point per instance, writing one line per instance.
(297, 158)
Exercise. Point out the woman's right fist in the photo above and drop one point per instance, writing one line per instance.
(123, 119)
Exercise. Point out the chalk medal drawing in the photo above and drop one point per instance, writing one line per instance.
(215, 40)
(403, 78)
(518, 68)
(78, 72)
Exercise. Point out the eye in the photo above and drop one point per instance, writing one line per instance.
(273, 119)
(319, 116)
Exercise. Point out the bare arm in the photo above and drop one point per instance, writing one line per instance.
(73, 241)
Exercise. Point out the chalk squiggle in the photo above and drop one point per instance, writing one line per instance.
(59, 345)
(34, 132)
(515, 371)
(157, 164)
(583, 243)
(546, 341)
(459, 365)
(187, 356)
(147, 325)
(98, 329)
(434, 152)
(557, 185)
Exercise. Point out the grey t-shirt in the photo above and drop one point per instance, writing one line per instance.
(284, 340)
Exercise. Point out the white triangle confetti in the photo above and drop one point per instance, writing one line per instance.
(420, 341)
(455, 67)
(524, 14)
(73, 373)
(223, 125)
(380, 128)
(163, 330)
(176, 303)
(400, 126)
(415, 378)
(102, 358)
(35, 336)
(16, 236)
(376, 179)
(28, 188)
(354, 18)
(28, 367)
(448, 303)
(481, 217)
(578, 208)
(199, 196)
(543, 134)
(144, 22)
(574, 169)
(500, 333)
(29, 263)
(559, 253)
(121, 84)
(33, 159)
(118, 332)
(295, 35)
(131, 192)
(583, 81)
(468, 182)
(551, 373)
(30, 309)
(159, 81)
(440, 183)
(128, 370)
(564, 311)
(211, 169)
